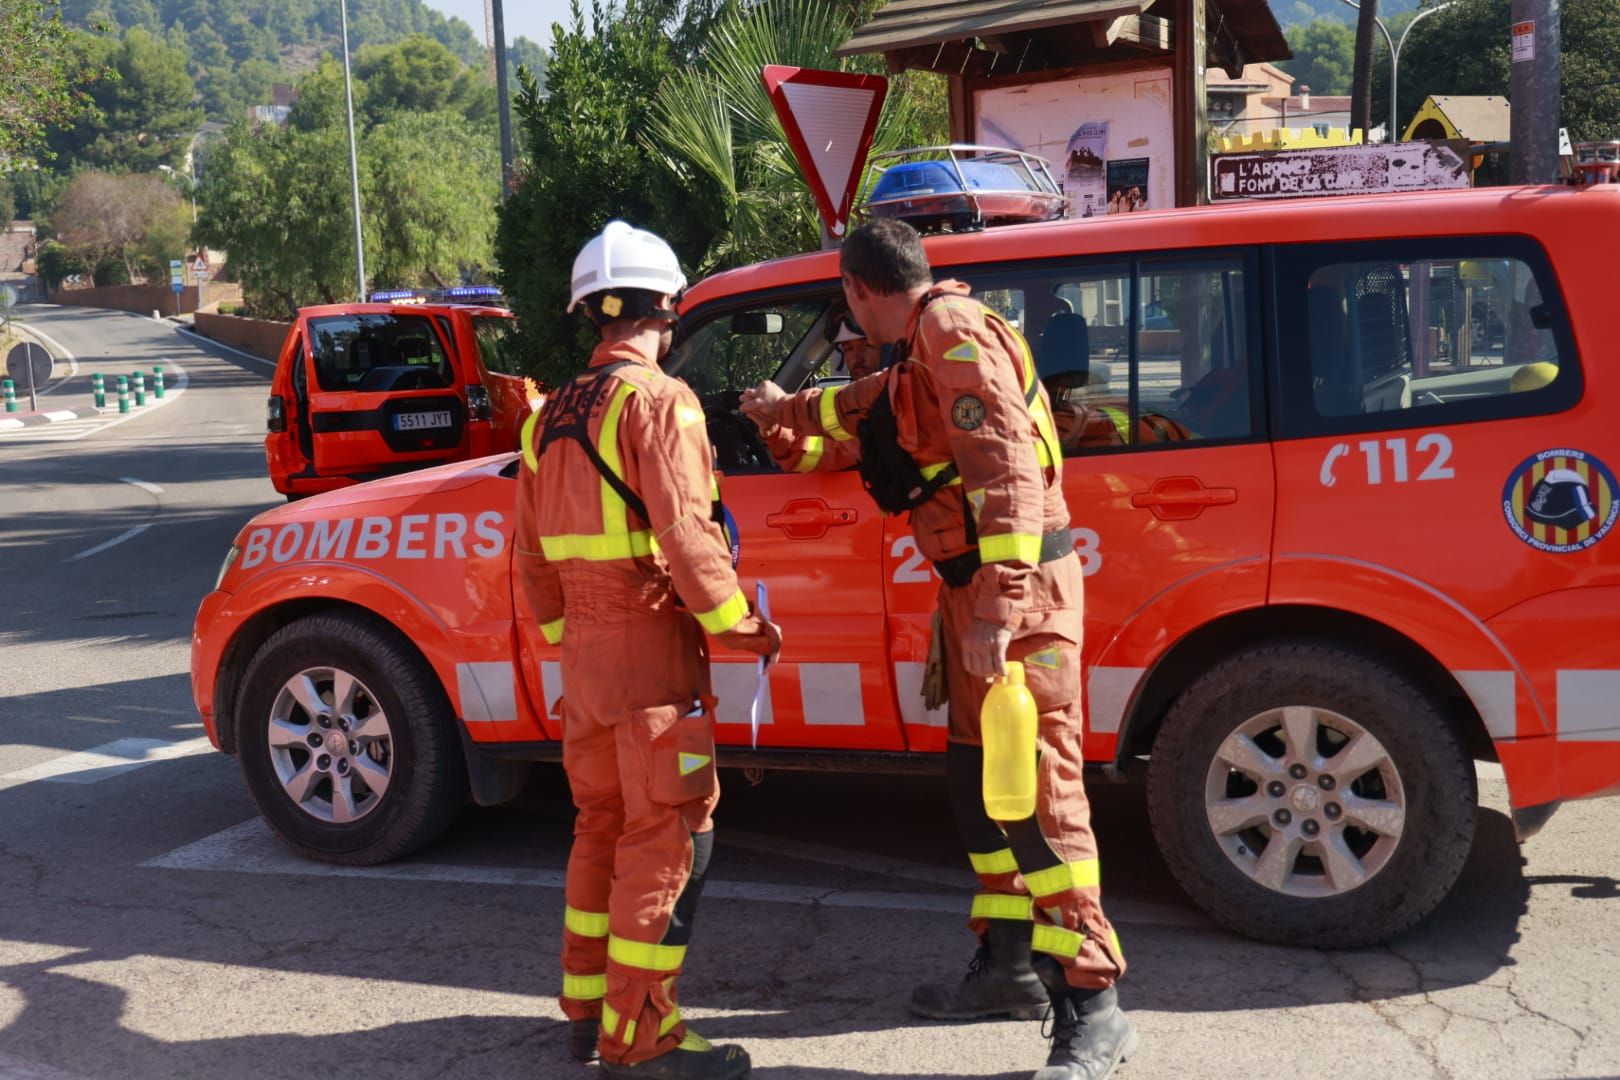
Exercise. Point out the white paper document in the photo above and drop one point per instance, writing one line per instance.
(762, 607)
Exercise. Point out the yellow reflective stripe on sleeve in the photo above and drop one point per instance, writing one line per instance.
(667, 1024)
(1121, 422)
(553, 631)
(814, 445)
(526, 441)
(1057, 940)
(584, 987)
(615, 514)
(610, 1024)
(714, 489)
(1083, 874)
(599, 548)
(725, 616)
(994, 862)
(1047, 447)
(1010, 547)
(639, 954)
(1001, 906)
(829, 415)
(586, 923)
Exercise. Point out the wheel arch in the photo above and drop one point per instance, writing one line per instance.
(1198, 650)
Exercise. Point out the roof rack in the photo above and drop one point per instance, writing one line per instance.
(961, 187)
(459, 294)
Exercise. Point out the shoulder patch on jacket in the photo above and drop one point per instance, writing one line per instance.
(686, 416)
(967, 352)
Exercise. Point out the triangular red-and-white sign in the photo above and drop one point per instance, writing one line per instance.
(829, 118)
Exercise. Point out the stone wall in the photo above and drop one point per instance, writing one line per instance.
(145, 299)
(261, 337)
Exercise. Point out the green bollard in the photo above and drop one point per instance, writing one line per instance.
(123, 394)
(157, 381)
(10, 390)
(99, 385)
(139, 381)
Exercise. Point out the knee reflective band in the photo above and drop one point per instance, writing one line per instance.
(586, 923)
(995, 862)
(639, 954)
(814, 446)
(1058, 941)
(1084, 874)
(726, 616)
(667, 1024)
(829, 415)
(552, 631)
(584, 987)
(1002, 906)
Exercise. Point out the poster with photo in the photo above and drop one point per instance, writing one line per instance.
(1127, 185)
(1083, 179)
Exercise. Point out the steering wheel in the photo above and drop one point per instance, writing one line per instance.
(737, 442)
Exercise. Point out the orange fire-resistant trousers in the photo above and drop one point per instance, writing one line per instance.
(644, 782)
(1050, 858)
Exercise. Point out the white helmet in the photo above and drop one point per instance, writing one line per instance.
(622, 257)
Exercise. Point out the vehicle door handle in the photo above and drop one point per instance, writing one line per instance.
(809, 519)
(1181, 498)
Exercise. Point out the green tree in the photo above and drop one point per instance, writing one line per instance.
(1324, 55)
(430, 197)
(145, 106)
(38, 69)
(584, 165)
(129, 221)
(419, 74)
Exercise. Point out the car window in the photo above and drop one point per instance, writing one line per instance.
(494, 336)
(378, 352)
(1150, 354)
(1420, 332)
(737, 349)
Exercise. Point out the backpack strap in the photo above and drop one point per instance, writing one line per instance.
(568, 416)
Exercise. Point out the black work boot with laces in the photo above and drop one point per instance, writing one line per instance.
(694, 1059)
(1090, 1034)
(999, 981)
(582, 1039)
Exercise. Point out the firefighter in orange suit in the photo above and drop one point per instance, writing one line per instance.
(624, 565)
(808, 453)
(959, 434)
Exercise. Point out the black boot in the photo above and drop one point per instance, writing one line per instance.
(1090, 1035)
(695, 1059)
(582, 1039)
(999, 981)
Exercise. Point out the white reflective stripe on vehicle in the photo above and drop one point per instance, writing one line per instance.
(1108, 692)
(488, 692)
(1492, 693)
(551, 684)
(734, 685)
(832, 694)
(1589, 706)
(908, 681)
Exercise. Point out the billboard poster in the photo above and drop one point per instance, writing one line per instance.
(1082, 175)
(1128, 185)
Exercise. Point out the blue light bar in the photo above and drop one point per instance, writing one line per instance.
(468, 292)
(393, 294)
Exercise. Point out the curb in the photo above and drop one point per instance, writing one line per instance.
(14, 421)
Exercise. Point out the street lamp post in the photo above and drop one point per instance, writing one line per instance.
(1395, 57)
(354, 160)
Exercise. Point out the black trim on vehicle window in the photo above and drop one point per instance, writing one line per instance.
(1295, 414)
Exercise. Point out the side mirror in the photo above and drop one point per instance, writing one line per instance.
(757, 323)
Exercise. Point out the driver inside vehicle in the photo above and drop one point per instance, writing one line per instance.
(855, 357)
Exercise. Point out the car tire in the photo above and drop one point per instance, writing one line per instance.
(1372, 823)
(347, 741)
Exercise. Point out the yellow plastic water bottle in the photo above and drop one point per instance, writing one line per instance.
(1008, 723)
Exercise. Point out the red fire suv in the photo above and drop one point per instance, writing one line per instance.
(409, 380)
(1343, 489)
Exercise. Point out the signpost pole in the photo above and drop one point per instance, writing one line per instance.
(33, 391)
(1533, 89)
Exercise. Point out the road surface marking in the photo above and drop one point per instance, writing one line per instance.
(203, 339)
(119, 539)
(250, 848)
(58, 415)
(9, 422)
(144, 485)
(110, 759)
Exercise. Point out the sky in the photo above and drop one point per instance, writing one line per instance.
(524, 18)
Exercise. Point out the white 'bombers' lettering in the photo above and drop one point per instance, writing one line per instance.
(411, 536)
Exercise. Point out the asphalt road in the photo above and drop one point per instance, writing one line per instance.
(150, 928)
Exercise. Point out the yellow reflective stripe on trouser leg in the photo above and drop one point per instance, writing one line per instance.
(639, 954)
(814, 445)
(829, 415)
(610, 1025)
(586, 923)
(1010, 547)
(993, 862)
(667, 1024)
(526, 441)
(726, 616)
(1057, 940)
(553, 631)
(615, 514)
(584, 987)
(1081, 874)
(1002, 906)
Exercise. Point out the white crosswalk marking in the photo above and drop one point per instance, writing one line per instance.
(110, 759)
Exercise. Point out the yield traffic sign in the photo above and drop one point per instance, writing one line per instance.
(829, 118)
